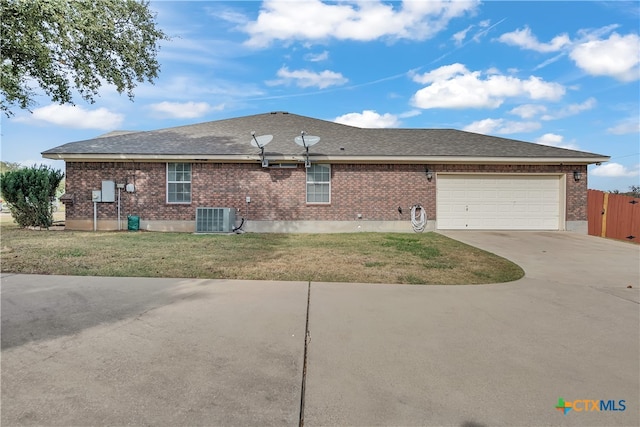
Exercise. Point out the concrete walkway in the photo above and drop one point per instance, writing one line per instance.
(115, 351)
(483, 355)
(82, 351)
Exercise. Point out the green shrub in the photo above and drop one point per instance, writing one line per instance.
(29, 192)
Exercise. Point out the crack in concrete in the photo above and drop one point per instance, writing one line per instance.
(614, 294)
(307, 340)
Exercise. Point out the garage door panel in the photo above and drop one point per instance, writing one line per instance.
(505, 202)
(484, 209)
(521, 209)
(458, 209)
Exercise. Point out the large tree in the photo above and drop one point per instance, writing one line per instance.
(58, 46)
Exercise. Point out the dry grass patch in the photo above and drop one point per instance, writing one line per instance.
(427, 258)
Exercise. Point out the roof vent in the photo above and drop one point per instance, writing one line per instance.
(283, 166)
(279, 112)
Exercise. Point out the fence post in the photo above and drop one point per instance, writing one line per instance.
(605, 208)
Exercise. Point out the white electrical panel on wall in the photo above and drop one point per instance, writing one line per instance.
(108, 191)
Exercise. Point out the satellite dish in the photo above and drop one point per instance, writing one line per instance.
(261, 141)
(306, 141)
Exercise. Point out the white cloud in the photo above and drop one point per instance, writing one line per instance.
(528, 111)
(618, 57)
(187, 87)
(188, 47)
(484, 28)
(183, 110)
(501, 127)
(459, 37)
(571, 110)
(526, 40)
(308, 78)
(615, 170)
(626, 126)
(410, 113)
(549, 61)
(369, 119)
(555, 140)
(72, 116)
(227, 14)
(362, 20)
(445, 72)
(596, 33)
(317, 57)
(454, 86)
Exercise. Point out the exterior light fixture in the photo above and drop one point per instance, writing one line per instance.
(429, 174)
(577, 175)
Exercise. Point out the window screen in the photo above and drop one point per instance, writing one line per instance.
(319, 183)
(178, 182)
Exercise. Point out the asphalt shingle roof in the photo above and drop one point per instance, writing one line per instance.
(233, 136)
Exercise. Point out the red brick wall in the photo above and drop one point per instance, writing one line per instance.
(374, 191)
(577, 205)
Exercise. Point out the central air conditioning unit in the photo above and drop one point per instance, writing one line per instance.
(215, 220)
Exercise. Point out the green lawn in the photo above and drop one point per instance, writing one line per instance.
(427, 258)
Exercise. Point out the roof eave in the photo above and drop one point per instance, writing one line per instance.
(76, 157)
(250, 158)
(462, 160)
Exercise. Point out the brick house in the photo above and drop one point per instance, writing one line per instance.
(353, 179)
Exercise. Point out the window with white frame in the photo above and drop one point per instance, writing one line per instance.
(319, 183)
(178, 182)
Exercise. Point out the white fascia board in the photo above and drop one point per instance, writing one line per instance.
(461, 160)
(250, 158)
(242, 158)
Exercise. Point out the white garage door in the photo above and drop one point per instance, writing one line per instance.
(498, 202)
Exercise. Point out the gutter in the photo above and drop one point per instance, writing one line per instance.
(253, 158)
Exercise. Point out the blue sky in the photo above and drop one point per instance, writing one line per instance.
(558, 73)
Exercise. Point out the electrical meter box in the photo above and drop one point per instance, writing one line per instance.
(96, 196)
(108, 191)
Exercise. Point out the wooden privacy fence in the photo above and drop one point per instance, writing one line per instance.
(613, 215)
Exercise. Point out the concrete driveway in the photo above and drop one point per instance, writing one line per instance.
(80, 350)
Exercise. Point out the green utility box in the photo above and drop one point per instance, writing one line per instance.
(133, 223)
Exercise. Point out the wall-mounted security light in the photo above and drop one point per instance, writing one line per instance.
(577, 175)
(429, 174)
